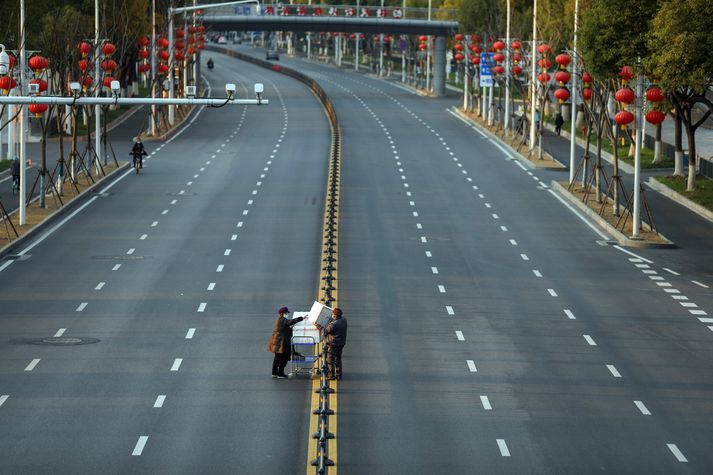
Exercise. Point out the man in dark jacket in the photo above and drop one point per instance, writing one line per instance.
(281, 342)
(336, 334)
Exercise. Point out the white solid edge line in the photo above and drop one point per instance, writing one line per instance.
(504, 451)
(677, 453)
(466, 123)
(578, 214)
(626, 251)
(501, 148)
(516, 162)
(140, 444)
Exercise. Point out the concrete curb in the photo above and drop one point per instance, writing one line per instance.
(680, 199)
(620, 237)
(61, 212)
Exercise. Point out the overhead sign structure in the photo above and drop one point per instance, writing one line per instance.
(486, 69)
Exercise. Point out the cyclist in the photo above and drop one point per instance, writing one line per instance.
(210, 63)
(15, 175)
(138, 151)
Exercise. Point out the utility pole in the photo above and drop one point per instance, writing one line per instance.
(637, 154)
(171, 57)
(356, 39)
(381, 46)
(403, 53)
(154, 130)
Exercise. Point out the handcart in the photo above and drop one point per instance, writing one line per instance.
(305, 346)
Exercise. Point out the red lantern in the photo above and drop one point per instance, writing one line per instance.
(162, 55)
(109, 65)
(562, 94)
(562, 77)
(107, 82)
(201, 29)
(544, 48)
(162, 69)
(85, 48)
(654, 94)
(458, 47)
(422, 38)
(191, 29)
(162, 43)
(543, 77)
(516, 70)
(108, 49)
(143, 54)
(475, 38)
(544, 63)
(144, 41)
(180, 45)
(200, 46)
(498, 70)
(499, 45)
(655, 117)
(84, 65)
(624, 117)
(38, 63)
(516, 45)
(626, 74)
(191, 50)
(6, 83)
(459, 37)
(516, 58)
(563, 60)
(475, 60)
(180, 33)
(625, 95)
(459, 57)
(587, 94)
(422, 46)
(42, 84)
(476, 49)
(38, 109)
(499, 57)
(352, 36)
(144, 68)
(87, 82)
(180, 56)
(586, 78)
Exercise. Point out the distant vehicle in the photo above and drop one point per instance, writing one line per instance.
(210, 63)
(272, 54)
(222, 40)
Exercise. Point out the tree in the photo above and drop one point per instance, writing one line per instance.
(680, 44)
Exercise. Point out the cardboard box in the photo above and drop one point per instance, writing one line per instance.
(320, 314)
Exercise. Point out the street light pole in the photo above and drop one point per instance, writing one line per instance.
(533, 79)
(171, 107)
(507, 70)
(356, 39)
(381, 47)
(97, 89)
(23, 118)
(573, 119)
(403, 53)
(428, 53)
(154, 131)
(637, 155)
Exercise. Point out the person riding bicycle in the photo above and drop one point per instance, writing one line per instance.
(15, 174)
(138, 151)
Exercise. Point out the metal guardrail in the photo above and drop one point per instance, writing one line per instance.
(328, 287)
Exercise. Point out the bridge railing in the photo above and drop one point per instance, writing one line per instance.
(411, 13)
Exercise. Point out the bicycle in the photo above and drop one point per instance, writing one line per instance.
(15, 184)
(137, 163)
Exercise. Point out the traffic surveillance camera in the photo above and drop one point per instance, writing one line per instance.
(115, 86)
(74, 87)
(230, 89)
(33, 88)
(4, 61)
(191, 91)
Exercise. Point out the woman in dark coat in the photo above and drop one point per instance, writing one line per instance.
(281, 342)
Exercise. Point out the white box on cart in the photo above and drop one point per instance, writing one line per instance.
(320, 314)
(305, 328)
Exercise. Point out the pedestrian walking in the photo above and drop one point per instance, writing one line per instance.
(559, 121)
(280, 342)
(336, 333)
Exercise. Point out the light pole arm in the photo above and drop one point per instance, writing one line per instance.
(130, 101)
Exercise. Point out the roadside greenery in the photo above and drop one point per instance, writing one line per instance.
(703, 194)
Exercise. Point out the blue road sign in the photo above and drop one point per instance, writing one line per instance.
(486, 69)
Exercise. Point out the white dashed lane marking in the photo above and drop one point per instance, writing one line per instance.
(612, 369)
(116, 267)
(442, 289)
(32, 364)
(590, 340)
(504, 451)
(159, 400)
(486, 403)
(4, 398)
(434, 270)
(176, 364)
(644, 410)
(140, 444)
(569, 314)
(60, 332)
(449, 310)
(459, 335)
(471, 366)
(82, 306)
(190, 333)
(201, 307)
(677, 453)
(99, 286)
(220, 268)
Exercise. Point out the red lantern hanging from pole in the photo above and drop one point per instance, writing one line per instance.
(562, 94)
(108, 49)
(623, 118)
(85, 48)
(655, 117)
(37, 63)
(38, 109)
